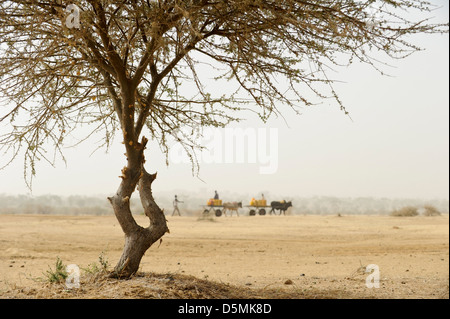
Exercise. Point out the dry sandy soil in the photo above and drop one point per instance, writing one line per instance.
(233, 257)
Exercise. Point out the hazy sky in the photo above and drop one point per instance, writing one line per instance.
(396, 145)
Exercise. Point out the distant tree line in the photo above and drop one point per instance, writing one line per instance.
(324, 205)
(317, 205)
(53, 205)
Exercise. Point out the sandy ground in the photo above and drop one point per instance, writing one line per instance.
(300, 255)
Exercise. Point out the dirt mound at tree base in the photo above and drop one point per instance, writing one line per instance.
(163, 286)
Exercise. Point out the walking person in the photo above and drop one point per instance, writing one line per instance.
(175, 206)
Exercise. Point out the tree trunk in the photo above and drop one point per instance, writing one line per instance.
(137, 239)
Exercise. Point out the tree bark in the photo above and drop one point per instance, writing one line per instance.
(137, 238)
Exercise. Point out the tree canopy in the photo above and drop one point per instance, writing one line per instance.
(66, 64)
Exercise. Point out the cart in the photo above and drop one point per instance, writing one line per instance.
(261, 210)
(213, 205)
(257, 206)
(216, 209)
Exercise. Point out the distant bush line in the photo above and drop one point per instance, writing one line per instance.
(192, 205)
(53, 205)
(410, 211)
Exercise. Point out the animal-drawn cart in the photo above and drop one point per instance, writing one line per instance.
(260, 206)
(219, 208)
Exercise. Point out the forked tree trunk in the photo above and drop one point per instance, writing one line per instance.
(137, 239)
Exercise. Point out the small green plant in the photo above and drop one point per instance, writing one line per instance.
(100, 267)
(59, 274)
(103, 261)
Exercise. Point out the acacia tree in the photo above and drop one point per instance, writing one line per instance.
(133, 67)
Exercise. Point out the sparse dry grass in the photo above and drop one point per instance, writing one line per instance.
(431, 211)
(408, 211)
(411, 211)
